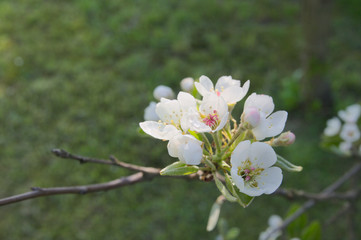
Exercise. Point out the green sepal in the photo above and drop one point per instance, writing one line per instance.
(210, 164)
(224, 190)
(214, 214)
(179, 169)
(286, 165)
(196, 135)
(243, 199)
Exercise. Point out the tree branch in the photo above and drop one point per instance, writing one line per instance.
(310, 203)
(113, 161)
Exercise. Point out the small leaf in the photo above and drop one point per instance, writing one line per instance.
(224, 190)
(232, 233)
(295, 228)
(312, 232)
(243, 199)
(286, 165)
(179, 169)
(214, 214)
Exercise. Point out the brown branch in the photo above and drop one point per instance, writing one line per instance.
(299, 194)
(117, 183)
(113, 161)
(310, 203)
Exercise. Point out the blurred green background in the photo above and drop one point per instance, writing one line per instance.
(77, 75)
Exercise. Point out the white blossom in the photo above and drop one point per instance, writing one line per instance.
(211, 116)
(345, 147)
(333, 127)
(171, 113)
(149, 112)
(187, 84)
(226, 87)
(187, 148)
(269, 124)
(274, 222)
(350, 132)
(351, 113)
(163, 92)
(252, 170)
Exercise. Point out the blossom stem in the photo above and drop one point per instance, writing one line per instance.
(208, 144)
(216, 140)
(240, 130)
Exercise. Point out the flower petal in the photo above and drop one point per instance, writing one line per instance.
(225, 82)
(263, 103)
(270, 179)
(186, 101)
(187, 148)
(252, 191)
(271, 126)
(262, 155)
(168, 111)
(232, 94)
(159, 130)
(204, 86)
(240, 153)
(212, 102)
(238, 180)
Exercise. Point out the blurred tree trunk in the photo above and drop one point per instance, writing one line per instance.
(315, 87)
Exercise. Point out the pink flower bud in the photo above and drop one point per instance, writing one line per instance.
(285, 139)
(251, 116)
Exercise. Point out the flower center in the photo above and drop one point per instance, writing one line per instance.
(212, 119)
(249, 173)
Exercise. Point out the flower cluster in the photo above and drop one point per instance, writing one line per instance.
(344, 138)
(204, 136)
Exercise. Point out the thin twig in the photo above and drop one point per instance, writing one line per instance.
(39, 192)
(113, 161)
(299, 194)
(310, 203)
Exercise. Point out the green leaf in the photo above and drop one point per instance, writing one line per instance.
(179, 169)
(224, 190)
(243, 199)
(214, 214)
(233, 233)
(286, 165)
(296, 227)
(312, 232)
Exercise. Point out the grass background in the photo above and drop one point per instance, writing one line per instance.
(77, 75)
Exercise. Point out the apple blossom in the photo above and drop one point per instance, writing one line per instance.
(333, 127)
(350, 132)
(163, 92)
(252, 170)
(269, 124)
(171, 114)
(211, 116)
(351, 113)
(149, 112)
(345, 147)
(226, 87)
(187, 148)
(274, 222)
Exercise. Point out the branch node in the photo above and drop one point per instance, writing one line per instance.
(60, 153)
